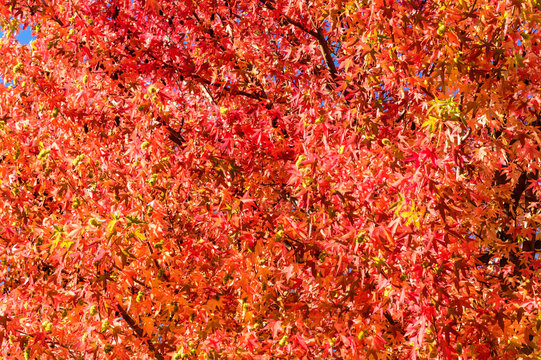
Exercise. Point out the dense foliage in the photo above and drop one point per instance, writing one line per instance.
(265, 179)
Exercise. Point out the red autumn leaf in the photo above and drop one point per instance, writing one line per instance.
(275, 327)
(270, 179)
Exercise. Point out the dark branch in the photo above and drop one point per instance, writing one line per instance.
(138, 331)
(320, 37)
(327, 53)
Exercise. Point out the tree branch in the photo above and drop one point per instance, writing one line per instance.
(138, 331)
(298, 25)
(319, 36)
(327, 53)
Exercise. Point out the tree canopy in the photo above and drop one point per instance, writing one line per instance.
(266, 179)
